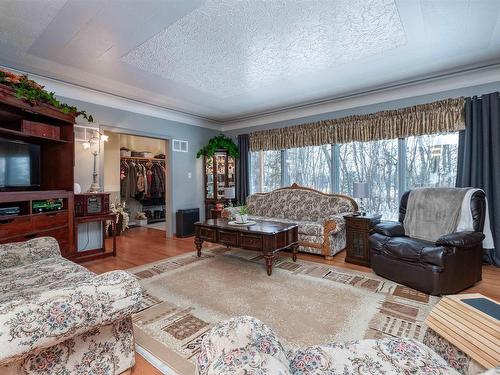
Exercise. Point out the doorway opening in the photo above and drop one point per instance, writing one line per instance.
(136, 174)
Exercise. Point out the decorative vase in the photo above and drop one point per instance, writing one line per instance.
(241, 219)
(141, 222)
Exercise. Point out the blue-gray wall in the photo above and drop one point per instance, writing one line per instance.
(186, 193)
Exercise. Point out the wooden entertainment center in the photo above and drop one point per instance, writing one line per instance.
(52, 130)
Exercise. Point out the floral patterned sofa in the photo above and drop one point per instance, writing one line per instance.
(56, 317)
(320, 216)
(245, 345)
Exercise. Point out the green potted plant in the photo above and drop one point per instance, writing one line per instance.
(241, 214)
(217, 143)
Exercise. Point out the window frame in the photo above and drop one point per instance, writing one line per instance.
(335, 167)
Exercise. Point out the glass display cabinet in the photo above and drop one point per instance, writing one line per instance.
(220, 173)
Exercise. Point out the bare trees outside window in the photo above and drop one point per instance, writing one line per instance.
(431, 160)
(389, 166)
(310, 166)
(265, 171)
(376, 163)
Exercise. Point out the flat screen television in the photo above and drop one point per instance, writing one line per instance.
(19, 165)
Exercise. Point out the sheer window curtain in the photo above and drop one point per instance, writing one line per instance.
(479, 159)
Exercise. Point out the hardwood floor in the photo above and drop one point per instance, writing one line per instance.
(141, 245)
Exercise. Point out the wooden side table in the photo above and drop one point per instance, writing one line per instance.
(470, 322)
(93, 254)
(358, 228)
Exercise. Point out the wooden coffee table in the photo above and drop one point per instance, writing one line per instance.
(266, 236)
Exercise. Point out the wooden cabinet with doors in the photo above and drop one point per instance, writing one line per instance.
(358, 228)
(220, 173)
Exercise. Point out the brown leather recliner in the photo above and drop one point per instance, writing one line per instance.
(447, 266)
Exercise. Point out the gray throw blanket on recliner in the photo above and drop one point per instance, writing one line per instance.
(433, 212)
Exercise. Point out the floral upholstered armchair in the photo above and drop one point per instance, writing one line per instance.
(320, 216)
(56, 317)
(245, 345)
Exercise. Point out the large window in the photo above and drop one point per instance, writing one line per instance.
(309, 166)
(374, 162)
(265, 167)
(431, 160)
(389, 166)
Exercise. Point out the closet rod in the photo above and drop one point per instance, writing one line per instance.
(139, 158)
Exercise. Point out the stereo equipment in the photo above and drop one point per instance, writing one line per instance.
(10, 211)
(185, 220)
(89, 204)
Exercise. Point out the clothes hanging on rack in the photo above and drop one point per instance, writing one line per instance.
(142, 179)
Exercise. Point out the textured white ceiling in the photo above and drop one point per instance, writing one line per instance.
(226, 47)
(22, 22)
(231, 59)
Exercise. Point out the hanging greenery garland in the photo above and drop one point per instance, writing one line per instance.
(217, 143)
(32, 92)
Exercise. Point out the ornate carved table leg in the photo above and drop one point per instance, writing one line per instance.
(198, 242)
(269, 264)
(294, 252)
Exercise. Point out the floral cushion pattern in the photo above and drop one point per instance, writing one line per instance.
(104, 350)
(385, 356)
(46, 300)
(244, 345)
(298, 204)
(312, 211)
(18, 253)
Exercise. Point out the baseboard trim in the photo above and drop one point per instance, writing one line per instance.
(159, 365)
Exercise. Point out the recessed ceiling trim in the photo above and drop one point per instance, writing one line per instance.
(76, 92)
(453, 81)
(469, 78)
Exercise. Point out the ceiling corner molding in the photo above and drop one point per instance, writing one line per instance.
(84, 94)
(433, 85)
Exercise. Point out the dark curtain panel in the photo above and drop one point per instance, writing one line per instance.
(479, 159)
(243, 180)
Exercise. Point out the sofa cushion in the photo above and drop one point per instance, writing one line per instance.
(244, 345)
(239, 346)
(405, 248)
(29, 280)
(409, 249)
(386, 356)
(299, 204)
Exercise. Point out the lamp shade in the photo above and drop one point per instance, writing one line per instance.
(360, 190)
(229, 193)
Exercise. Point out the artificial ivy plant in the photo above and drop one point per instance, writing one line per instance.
(35, 94)
(217, 143)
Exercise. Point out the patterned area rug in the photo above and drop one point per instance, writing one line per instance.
(305, 303)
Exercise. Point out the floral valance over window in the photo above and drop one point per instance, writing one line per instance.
(438, 117)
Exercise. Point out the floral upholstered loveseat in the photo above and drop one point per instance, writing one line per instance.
(245, 345)
(56, 317)
(320, 216)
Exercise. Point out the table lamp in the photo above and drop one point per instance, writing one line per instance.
(230, 194)
(360, 190)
